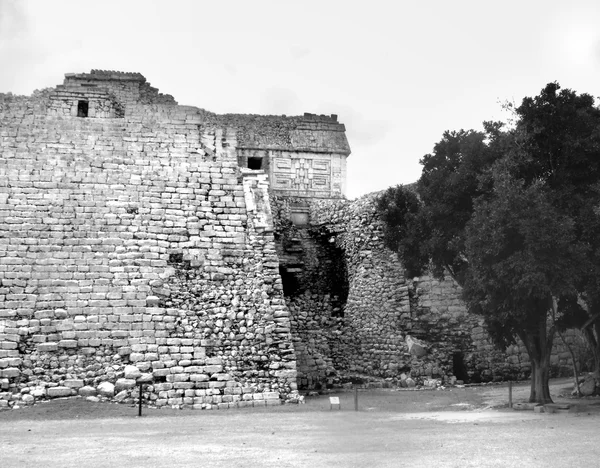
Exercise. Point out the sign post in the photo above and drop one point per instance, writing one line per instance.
(334, 401)
(140, 400)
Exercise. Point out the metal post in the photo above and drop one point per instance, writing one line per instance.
(355, 398)
(510, 393)
(140, 402)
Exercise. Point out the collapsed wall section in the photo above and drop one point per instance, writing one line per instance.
(388, 326)
(136, 243)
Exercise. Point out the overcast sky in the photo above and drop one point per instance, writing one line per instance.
(397, 73)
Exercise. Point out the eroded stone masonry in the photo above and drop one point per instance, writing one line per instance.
(211, 257)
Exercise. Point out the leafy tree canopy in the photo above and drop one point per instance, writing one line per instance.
(513, 216)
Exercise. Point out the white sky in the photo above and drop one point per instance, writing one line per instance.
(397, 73)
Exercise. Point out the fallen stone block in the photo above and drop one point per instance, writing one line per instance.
(54, 392)
(38, 392)
(121, 395)
(132, 372)
(73, 383)
(106, 389)
(124, 384)
(416, 347)
(524, 406)
(588, 387)
(87, 391)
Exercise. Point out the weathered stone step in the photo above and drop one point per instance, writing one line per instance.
(294, 270)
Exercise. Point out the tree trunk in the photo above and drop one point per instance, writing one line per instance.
(539, 382)
(591, 332)
(539, 348)
(597, 348)
(594, 345)
(573, 362)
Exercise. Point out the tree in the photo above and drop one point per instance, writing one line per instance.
(453, 176)
(558, 132)
(404, 227)
(522, 254)
(553, 156)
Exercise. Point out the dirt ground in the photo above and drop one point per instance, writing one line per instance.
(454, 427)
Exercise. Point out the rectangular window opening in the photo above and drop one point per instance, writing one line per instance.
(82, 108)
(255, 163)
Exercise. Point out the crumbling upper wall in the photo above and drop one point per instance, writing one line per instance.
(128, 88)
(104, 94)
(303, 156)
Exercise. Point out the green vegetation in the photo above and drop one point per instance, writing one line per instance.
(513, 215)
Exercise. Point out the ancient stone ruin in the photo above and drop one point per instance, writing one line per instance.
(211, 257)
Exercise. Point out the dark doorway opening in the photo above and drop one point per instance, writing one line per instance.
(255, 163)
(459, 369)
(82, 108)
(289, 281)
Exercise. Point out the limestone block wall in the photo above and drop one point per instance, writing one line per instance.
(438, 301)
(130, 242)
(441, 317)
(100, 104)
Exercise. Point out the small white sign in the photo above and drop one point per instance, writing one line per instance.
(333, 400)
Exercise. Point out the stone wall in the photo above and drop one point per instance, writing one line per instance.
(127, 88)
(133, 247)
(386, 325)
(135, 240)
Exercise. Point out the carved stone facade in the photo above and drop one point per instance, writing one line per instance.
(309, 163)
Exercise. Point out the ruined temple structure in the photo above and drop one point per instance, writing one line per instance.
(213, 257)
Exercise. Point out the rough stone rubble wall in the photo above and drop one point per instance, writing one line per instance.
(129, 241)
(384, 309)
